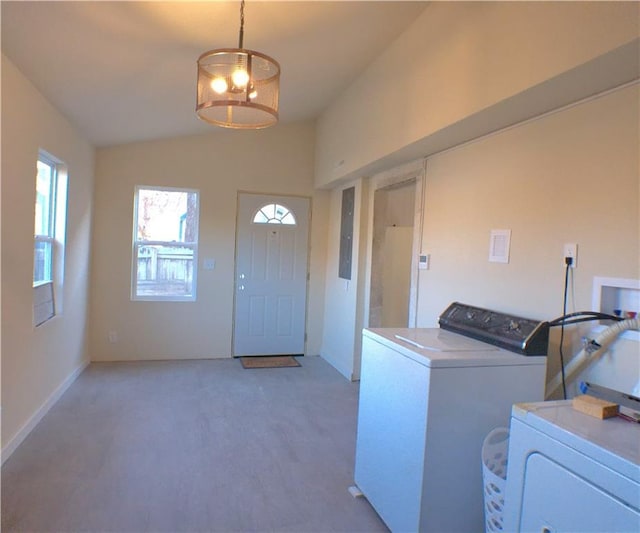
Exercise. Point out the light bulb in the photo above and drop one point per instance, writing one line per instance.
(253, 94)
(240, 78)
(219, 85)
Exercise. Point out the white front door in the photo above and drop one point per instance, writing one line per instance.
(271, 275)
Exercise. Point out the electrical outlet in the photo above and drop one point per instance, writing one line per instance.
(570, 250)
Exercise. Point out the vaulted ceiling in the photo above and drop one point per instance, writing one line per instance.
(126, 71)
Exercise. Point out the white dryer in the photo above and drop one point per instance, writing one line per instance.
(571, 472)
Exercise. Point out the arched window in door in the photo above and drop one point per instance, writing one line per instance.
(274, 214)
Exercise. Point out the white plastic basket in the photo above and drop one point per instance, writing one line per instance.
(494, 476)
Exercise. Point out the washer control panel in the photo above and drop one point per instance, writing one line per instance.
(514, 333)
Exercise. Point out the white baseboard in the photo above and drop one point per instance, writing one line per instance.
(17, 439)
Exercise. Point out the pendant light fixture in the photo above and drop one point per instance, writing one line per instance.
(238, 88)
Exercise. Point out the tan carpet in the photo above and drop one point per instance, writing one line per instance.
(186, 446)
(279, 361)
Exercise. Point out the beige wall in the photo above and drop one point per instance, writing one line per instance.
(38, 362)
(569, 177)
(277, 160)
(396, 276)
(460, 59)
(460, 72)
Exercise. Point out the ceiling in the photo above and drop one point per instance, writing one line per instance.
(126, 71)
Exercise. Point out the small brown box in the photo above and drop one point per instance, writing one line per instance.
(595, 406)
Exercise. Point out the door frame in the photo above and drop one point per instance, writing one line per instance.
(235, 261)
(414, 171)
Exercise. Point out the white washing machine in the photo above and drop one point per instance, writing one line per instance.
(428, 398)
(571, 472)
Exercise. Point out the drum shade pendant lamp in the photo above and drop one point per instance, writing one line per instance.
(238, 88)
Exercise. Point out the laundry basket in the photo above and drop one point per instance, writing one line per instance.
(494, 475)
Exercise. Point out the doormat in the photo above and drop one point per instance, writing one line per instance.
(280, 361)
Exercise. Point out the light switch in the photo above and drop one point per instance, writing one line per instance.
(423, 261)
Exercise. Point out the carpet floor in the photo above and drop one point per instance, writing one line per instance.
(191, 446)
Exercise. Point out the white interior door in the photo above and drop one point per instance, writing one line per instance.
(271, 275)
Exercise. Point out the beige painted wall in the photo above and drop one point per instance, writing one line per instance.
(36, 362)
(459, 59)
(396, 276)
(569, 177)
(277, 160)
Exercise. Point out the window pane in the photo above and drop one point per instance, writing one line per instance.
(270, 211)
(164, 268)
(274, 214)
(42, 261)
(260, 218)
(164, 271)
(44, 182)
(167, 216)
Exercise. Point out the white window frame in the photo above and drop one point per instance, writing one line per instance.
(136, 244)
(47, 294)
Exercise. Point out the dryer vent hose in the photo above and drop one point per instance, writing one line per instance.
(592, 351)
